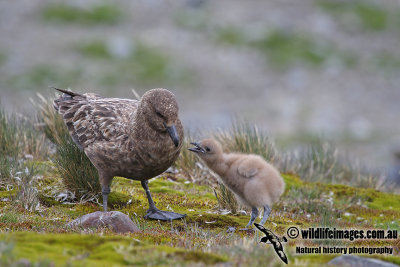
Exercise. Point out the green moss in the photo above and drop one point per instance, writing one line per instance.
(292, 181)
(217, 221)
(385, 201)
(313, 260)
(373, 198)
(7, 194)
(62, 249)
(94, 250)
(375, 215)
(98, 14)
(116, 199)
(196, 256)
(48, 201)
(164, 193)
(82, 209)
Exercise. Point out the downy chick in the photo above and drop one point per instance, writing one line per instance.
(253, 180)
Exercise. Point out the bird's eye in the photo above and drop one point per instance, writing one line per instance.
(159, 114)
(207, 149)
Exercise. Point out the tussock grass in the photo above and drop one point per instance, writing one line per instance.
(187, 160)
(33, 142)
(51, 123)
(26, 182)
(322, 162)
(245, 138)
(17, 138)
(306, 199)
(226, 199)
(9, 148)
(8, 131)
(77, 172)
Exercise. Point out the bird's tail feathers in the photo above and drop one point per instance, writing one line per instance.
(66, 92)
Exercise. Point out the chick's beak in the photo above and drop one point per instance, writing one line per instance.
(197, 148)
(173, 134)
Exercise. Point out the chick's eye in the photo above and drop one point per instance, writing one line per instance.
(159, 114)
(207, 149)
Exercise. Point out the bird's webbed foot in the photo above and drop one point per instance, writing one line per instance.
(157, 214)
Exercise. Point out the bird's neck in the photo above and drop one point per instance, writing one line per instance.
(219, 165)
(140, 119)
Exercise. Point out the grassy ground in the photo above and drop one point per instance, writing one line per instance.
(42, 236)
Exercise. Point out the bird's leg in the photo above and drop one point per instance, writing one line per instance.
(254, 214)
(267, 211)
(145, 185)
(156, 214)
(105, 190)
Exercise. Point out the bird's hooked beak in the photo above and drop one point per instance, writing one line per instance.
(173, 134)
(197, 148)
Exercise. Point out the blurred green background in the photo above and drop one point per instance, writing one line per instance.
(297, 69)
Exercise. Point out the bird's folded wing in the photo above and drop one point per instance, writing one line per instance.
(91, 118)
(247, 169)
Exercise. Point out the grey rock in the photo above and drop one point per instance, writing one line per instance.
(356, 261)
(231, 229)
(115, 220)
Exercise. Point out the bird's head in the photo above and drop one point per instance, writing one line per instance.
(160, 109)
(208, 150)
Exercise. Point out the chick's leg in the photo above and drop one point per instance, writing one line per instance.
(267, 211)
(156, 214)
(254, 214)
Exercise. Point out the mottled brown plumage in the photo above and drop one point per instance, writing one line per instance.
(124, 137)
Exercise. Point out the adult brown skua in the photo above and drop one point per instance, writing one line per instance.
(255, 182)
(135, 139)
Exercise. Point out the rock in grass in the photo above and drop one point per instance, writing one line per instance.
(115, 220)
(356, 261)
(231, 229)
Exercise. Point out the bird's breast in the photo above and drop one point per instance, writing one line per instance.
(147, 159)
